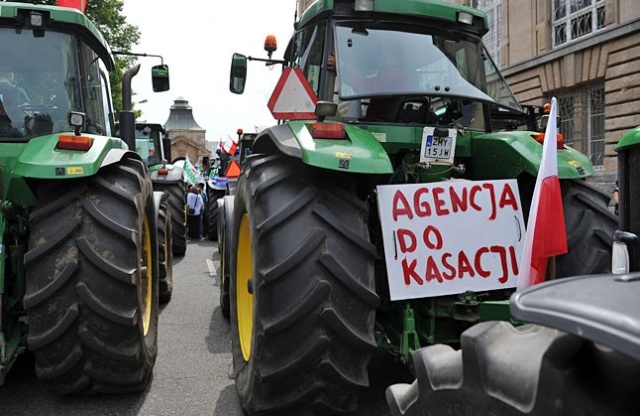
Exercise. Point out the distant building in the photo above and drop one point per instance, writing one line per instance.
(187, 137)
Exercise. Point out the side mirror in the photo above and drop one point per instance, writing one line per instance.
(160, 78)
(238, 75)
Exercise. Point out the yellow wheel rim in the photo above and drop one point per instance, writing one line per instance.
(244, 299)
(145, 287)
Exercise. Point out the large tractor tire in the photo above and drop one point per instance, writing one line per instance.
(92, 281)
(302, 289)
(165, 254)
(530, 370)
(177, 207)
(589, 225)
(225, 244)
(212, 212)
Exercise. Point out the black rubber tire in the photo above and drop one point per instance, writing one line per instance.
(177, 207)
(314, 299)
(225, 242)
(528, 370)
(165, 254)
(212, 212)
(589, 225)
(92, 281)
(221, 225)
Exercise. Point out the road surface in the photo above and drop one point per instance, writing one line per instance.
(193, 374)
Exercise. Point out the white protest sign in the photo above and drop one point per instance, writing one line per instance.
(449, 237)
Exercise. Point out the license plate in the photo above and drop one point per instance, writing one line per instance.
(438, 147)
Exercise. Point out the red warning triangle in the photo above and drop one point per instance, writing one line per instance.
(233, 170)
(293, 98)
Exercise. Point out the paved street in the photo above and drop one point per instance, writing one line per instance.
(192, 376)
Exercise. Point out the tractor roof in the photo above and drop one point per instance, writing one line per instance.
(64, 19)
(433, 9)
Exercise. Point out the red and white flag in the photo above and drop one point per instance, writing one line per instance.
(546, 236)
(230, 145)
(75, 4)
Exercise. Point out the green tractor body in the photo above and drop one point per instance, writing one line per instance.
(349, 227)
(224, 211)
(219, 185)
(154, 147)
(565, 327)
(626, 255)
(79, 264)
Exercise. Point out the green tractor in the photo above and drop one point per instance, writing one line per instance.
(582, 335)
(225, 217)
(79, 220)
(626, 252)
(364, 220)
(219, 184)
(155, 149)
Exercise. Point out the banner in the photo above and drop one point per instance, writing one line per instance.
(191, 174)
(450, 237)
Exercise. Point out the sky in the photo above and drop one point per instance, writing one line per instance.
(196, 39)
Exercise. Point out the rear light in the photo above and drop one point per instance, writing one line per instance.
(163, 171)
(321, 130)
(559, 139)
(72, 142)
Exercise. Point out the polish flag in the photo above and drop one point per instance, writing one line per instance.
(546, 235)
(230, 145)
(75, 4)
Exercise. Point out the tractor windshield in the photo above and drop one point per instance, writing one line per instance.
(44, 76)
(147, 145)
(386, 61)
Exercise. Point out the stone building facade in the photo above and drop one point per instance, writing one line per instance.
(187, 137)
(583, 52)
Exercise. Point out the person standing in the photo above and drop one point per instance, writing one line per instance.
(203, 212)
(194, 208)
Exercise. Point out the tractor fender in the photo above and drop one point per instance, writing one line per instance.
(116, 155)
(359, 152)
(42, 159)
(506, 155)
(159, 198)
(175, 173)
(629, 139)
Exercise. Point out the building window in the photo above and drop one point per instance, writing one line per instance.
(581, 112)
(573, 19)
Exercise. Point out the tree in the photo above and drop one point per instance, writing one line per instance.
(120, 35)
